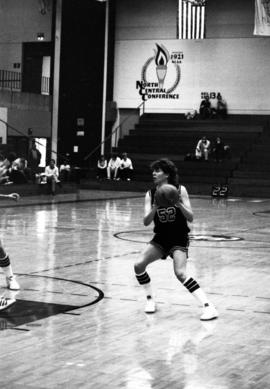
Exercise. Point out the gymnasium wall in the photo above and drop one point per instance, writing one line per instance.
(231, 60)
(21, 21)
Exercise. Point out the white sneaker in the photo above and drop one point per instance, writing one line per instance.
(12, 284)
(150, 306)
(6, 302)
(209, 312)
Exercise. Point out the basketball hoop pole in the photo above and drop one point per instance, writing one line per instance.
(105, 65)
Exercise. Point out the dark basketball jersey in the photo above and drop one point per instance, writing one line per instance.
(169, 221)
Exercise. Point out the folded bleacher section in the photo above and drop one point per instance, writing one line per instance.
(246, 170)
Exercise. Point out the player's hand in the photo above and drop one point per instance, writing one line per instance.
(179, 202)
(14, 196)
(155, 205)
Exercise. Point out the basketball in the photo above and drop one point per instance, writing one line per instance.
(166, 196)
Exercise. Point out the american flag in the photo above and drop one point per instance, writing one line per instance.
(191, 19)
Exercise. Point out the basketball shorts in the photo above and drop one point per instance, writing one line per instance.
(167, 245)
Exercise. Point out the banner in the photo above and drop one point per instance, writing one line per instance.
(191, 19)
(262, 17)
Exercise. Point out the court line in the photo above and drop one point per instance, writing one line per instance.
(58, 201)
(159, 302)
(175, 289)
(99, 291)
(51, 291)
(262, 213)
(102, 296)
(81, 263)
(192, 241)
(71, 313)
(34, 274)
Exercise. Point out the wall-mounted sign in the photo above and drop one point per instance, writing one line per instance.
(80, 122)
(160, 75)
(211, 95)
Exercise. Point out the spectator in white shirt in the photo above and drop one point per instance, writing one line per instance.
(65, 171)
(113, 166)
(126, 168)
(203, 149)
(52, 176)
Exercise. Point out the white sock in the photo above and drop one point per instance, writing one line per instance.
(8, 271)
(144, 281)
(148, 290)
(194, 288)
(6, 266)
(201, 296)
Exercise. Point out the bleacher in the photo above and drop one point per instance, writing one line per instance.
(252, 176)
(172, 136)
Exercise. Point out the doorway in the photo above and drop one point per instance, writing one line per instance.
(42, 147)
(36, 67)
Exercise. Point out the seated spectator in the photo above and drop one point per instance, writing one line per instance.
(221, 110)
(227, 152)
(2, 159)
(65, 171)
(52, 176)
(125, 168)
(218, 150)
(17, 171)
(4, 178)
(203, 148)
(113, 166)
(6, 167)
(191, 115)
(206, 108)
(8, 161)
(101, 168)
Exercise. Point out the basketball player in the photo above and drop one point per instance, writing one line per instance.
(170, 239)
(12, 283)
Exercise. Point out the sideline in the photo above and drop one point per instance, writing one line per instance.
(80, 196)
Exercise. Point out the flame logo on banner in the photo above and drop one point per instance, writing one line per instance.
(160, 66)
(162, 56)
(161, 59)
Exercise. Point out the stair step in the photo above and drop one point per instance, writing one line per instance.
(171, 136)
(251, 174)
(256, 166)
(248, 191)
(250, 181)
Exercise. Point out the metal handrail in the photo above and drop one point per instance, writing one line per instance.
(141, 105)
(30, 137)
(141, 108)
(13, 81)
(10, 80)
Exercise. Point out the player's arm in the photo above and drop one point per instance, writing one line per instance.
(47, 172)
(149, 210)
(12, 196)
(56, 173)
(198, 147)
(184, 204)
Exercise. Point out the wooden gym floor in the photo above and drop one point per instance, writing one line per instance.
(79, 322)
